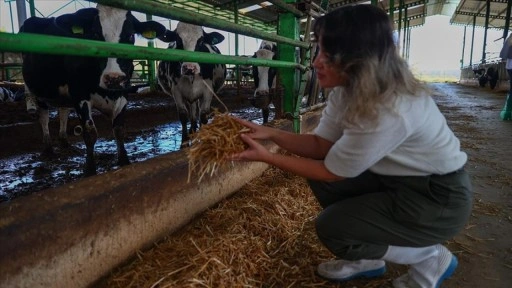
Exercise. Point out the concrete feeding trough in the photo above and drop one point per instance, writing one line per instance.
(73, 235)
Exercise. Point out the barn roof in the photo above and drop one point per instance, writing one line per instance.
(474, 11)
(263, 14)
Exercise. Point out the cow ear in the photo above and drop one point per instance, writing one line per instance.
(36, 24)
(150, 29)
(79, 22)
(214, 38)
(169, 36)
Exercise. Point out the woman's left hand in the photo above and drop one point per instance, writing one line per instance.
(254, 152)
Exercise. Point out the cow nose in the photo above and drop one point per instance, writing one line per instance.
(114, 81)
(261, 93)
(188, 69)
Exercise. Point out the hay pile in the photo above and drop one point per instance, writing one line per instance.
(263, 236)
(213, 144)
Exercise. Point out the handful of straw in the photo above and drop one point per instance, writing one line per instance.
(213, 144)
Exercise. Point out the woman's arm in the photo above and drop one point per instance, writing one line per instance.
(305, 167)
(304, 145)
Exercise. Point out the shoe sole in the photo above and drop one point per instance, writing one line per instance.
(449, 271)
(366, 274)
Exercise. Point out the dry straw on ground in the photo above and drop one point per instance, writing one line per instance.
(213, 144)
(263, 236)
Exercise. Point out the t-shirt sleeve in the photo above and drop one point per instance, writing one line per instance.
(329, 127)
(359, 149)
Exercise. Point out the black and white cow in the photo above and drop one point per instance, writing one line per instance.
(83, 83)
(191, 84)
(264, 79)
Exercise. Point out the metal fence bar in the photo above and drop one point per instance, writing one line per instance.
(168, 11)
(44, 44)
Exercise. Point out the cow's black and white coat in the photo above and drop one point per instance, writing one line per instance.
(191, 84)
(264, 79)
(83, 83)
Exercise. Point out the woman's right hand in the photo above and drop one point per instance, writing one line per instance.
(256, 131)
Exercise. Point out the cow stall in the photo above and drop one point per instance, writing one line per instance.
(71, 235)
(490, 75)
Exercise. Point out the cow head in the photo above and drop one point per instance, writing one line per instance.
(192, 38)
(111, 25)
(265, 75)
(268, 45)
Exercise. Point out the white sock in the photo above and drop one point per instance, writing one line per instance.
(429, 266)
(409, 255)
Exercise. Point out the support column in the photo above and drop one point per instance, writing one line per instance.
(289, 27)
(151, 63)
(21, 9)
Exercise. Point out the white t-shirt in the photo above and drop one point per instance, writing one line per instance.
(413, 140)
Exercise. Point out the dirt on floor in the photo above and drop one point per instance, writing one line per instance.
(484, 247)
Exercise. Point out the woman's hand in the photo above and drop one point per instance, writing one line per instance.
(254, 152)
(257, 131)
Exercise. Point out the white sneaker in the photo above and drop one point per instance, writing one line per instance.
(343, 270)
(430, 272)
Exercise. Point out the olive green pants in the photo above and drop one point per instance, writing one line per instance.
(363, 215)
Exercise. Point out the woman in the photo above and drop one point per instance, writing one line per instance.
(383, 163)
(506, 55)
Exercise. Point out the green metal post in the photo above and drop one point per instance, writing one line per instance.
(32, 7)
(237, 67)
(463, 49)
(404, 47)
(400, 9)
(392, 10)
(151, 63)
(507, 20)
(289, 28)
(12, 21)
(472, 41)
(487, 15)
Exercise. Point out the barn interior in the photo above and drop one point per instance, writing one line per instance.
(78, 230)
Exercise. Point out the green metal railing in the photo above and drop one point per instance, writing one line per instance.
(287, 33)
(44, 44)
(165, 10)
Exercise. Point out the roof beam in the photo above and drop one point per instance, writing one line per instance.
(480, 15)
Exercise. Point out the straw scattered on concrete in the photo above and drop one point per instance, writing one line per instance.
(263, 236)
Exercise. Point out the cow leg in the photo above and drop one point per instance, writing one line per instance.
(265, 111)
(204, 108)
(278, 103)
(47, 140)
(183, 116)
(119, 134)
(193, 115)
(89, 134)
(30, 101)
(63, 125)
